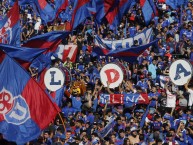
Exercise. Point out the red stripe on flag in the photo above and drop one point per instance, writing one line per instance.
(108, 4)
(42, 109)
(62, 7)
(2, 56)
(42, 3)
(142, 2)
(111, 15)
(13, 14)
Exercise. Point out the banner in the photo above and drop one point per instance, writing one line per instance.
(129, 99)
(143, 38)
(111, 98)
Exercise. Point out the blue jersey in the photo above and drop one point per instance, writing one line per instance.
(76, 103)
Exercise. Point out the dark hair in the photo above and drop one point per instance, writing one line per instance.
(141, 137)
(125, 141)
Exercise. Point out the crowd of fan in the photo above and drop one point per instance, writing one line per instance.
(84, 117)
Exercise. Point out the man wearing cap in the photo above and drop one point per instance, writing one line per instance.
(134, 137)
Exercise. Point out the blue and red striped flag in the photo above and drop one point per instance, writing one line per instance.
(45, 10)
(127, 54)
(10, 27)
(25, 108)
(60, 5)
(115, 15)
(80, 12)
(99, 8)
(130, 54)
(50, 41)
(23, 55)
(149, 10)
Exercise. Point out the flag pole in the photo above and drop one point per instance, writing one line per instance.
(62, 121)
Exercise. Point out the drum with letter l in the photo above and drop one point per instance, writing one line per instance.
(54, 79)
(111, 73)
(180, 72)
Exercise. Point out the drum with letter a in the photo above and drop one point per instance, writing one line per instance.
(180, 72)
(113, 74)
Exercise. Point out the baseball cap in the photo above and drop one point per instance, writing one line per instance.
(140, 110)
(134, 129)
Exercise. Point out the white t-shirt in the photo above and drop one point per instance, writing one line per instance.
(37, 24)
(171, 99)
(190, 102)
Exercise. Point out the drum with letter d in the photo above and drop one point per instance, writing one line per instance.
(112, 74)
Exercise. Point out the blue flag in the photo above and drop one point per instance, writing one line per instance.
(23, 103)
(148, 9)
(131, 54)
(80, 12)
(23, 55)
(45, 10)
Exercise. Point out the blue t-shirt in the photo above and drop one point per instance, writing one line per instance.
(151, 95)
(67, 110)
(76, 103)
(156, 125)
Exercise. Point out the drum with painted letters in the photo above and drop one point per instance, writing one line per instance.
(54, 79)
(111, 73)
(180, 72)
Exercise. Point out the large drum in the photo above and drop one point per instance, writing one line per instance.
(67, 74)
(124, 69)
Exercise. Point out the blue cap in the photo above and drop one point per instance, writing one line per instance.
(167, 116)
(140, 110)
(128, 115)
